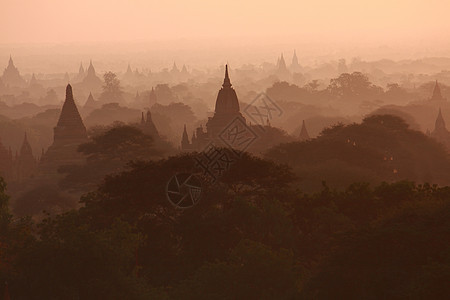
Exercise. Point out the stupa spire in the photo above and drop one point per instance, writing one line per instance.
(226, 80)
(440, 123)
(70, 125)
(304, 133)
(26, 148)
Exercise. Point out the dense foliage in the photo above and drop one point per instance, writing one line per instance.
(381, 148)
(109, 151)
(253, 235)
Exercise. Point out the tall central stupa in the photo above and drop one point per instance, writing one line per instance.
(69, 133)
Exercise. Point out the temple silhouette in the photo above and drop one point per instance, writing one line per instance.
(20, 167)
(91, 81)
(295, 66)
(304, 136)
(147, 126)
(11, 76)
(440, 132)
(68, 134)
(437, 95)
(226, 110)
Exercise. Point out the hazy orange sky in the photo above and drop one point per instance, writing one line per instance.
(37, 21)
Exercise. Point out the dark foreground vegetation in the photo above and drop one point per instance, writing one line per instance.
(253, 235)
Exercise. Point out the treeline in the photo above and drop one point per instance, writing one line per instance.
(380, 148)
(253, 235)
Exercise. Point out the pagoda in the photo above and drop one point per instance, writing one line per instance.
(25, 164)
(91, 81)
(437, 96)
(295, 66)
(11, 76)
(226, 111)
(440, 132)
(304, 136)
(69, 133)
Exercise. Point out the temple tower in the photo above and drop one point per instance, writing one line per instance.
(89, 105)
(92, 81)
(69, 133)
(295, 66)
(440, 132)
(304, 136)
(70, 127)
(149, 127)
(282, 71)
(185, 145)
(81, 74)
(11, 76)
(226, 110)
(25, 164)
(152, 97)
(437, 96)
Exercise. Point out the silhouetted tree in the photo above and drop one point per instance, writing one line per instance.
(109, 152)
(112, 92)
(353, 85)
(381, 148)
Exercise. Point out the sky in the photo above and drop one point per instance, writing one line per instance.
(51, 35)
(61, 21)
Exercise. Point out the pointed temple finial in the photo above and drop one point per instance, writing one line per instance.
(226, 81)
(69, 95)
(437, 96)
(70, 126)
(304, 136)
(440, 123)
(185, 144)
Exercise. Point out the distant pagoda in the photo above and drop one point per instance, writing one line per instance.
(90, 105)
(437, 96)
(91, 81)
(304, 136)
(282, 71)
(25, 164)
(11, 76)
(81, 74)
(148, 127)
(440, 132)
(295, 66)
